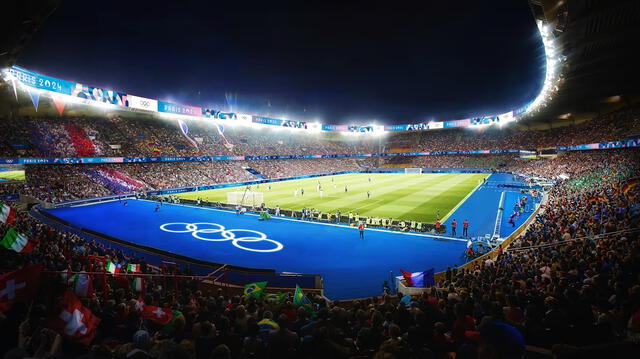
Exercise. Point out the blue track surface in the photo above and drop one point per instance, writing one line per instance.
(351, 268)
(482, 206)
(509, 202)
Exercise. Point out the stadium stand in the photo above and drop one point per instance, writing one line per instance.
(548, 288)
(567, 286)
(87, 137)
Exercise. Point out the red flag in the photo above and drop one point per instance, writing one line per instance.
(72, 320)
(157, 314)
(407, 277)
(59, 101)
(140, 304)
(19, 285)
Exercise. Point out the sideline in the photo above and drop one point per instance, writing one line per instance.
(316, 223)
(444, 219)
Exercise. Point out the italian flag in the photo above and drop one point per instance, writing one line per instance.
(7, 214)
(16, 242)
(133, 268)
(112, 268)
(82, 285)
(138, 285)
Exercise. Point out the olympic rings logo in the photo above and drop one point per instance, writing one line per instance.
(227, 234)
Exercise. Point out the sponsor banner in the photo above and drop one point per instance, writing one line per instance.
(506, 117)
(490, 120)
(10, 197)
(339, 128)
(392, 128)
(620, 144)
(143, 103)
(90, 160)
(418, 126)
(32, 79)
(602, 145)
(168, 107)
(435, 125)
(244, 117)
(294, 124)
(457, 123)
(100, 95)
(211, 113)
(267, 121)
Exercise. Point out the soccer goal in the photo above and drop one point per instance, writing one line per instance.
(413, 170)
(245, 198)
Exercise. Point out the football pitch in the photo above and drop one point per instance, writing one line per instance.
(12, 175)
(419, 197)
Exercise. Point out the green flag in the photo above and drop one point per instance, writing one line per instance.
(275, 297)
(299, 299)
(254, 289)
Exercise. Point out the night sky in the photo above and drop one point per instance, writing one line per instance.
(334, 61)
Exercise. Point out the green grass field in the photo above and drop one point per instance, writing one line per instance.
(12, 175)
(397, 195)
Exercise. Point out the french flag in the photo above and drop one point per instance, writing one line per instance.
(419, 279)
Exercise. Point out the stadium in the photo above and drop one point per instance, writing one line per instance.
(137, 221)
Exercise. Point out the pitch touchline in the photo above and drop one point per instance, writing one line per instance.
(320, 223)
(460, 203)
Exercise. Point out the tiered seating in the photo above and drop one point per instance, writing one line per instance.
(81, 142)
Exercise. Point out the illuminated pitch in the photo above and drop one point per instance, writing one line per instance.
(419, 197)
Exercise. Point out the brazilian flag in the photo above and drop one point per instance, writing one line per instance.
(254, 289)
(299, 299)
(275, 297)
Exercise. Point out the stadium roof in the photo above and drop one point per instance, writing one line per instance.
(600, 40)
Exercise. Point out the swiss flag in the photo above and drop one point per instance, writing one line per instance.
(158, 315)
(140, 304)
(72, 320)
(19, 285)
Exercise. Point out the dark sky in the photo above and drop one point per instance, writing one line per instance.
(336, 61)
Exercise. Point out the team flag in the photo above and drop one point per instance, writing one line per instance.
(254, 289)
(73, 320)
(7, 214)
(157, 315)
(17, 242)
(592, 200)
(133, 268)
(300, 300)
(138, 285)
(112, 267)
(275, 297)
(140, 304)
(82, 284)
(419, 279)
(268, 325)
(19, 285)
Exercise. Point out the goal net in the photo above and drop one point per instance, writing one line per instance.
(413, 170)
(245, 198)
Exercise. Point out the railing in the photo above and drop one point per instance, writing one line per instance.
(561, 243)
